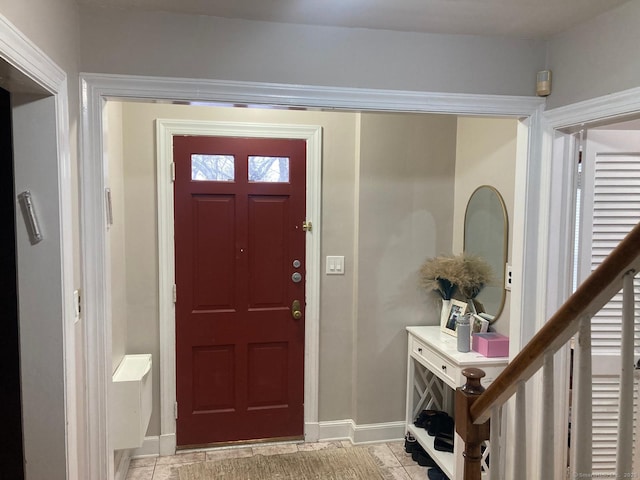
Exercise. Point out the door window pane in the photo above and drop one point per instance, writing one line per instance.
(269, 169)
(218, 168)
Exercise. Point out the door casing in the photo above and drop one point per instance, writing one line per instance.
(97, 88)
(27, 71)
(560, 127)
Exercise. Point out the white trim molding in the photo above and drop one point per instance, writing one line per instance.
(613, 107)
(557, 154)
(97, 88)
(166, 129)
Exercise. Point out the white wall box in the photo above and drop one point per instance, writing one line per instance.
(131, 401)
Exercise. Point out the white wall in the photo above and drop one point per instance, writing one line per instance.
(165, 44)
(596, 58)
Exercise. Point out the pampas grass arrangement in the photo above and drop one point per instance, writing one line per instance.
(445, 273)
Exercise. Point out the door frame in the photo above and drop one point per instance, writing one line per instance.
(165, 130)
(40, 74)
(559, 144)
(98, 88)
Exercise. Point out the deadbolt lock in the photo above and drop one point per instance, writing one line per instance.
(296, 313)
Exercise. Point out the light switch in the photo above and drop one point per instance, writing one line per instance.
(335, 265)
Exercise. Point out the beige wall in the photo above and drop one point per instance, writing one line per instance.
(485, 155)
(116, 232)
(405, 204)
(404, 169)
(337, 211)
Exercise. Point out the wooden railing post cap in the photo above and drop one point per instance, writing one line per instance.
(473, 372)
(473, 376)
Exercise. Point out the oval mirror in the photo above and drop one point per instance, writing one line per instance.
(486, 235)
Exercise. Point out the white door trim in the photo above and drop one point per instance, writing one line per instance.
(24, 56)
(558, 150)
(96, 88)
(165, 130)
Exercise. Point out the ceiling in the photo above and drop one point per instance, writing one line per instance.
(520, 18)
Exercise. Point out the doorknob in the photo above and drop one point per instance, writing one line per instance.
(296, 313)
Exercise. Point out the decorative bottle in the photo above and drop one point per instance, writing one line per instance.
(463, 331)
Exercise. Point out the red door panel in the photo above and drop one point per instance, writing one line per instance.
(239, 351)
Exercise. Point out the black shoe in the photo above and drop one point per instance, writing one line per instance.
(443, 444)
(436, 474)
(423, 458)
(425, 417)
(410, 443)
(441, 425)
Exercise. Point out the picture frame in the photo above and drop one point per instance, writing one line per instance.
(456, 309)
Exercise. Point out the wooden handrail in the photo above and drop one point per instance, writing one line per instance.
(587, 300)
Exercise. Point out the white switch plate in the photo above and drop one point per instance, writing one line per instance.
(335, 265)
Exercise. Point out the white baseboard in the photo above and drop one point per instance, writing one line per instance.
(150, 448)
(167, 444)
(164, 445)
(335, 430)
(379, 432)
(368, 433)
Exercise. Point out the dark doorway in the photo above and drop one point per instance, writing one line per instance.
(11, 448)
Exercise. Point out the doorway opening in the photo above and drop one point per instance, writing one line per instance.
(142, 166)
(607, 206)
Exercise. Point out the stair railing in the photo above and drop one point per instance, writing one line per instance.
(475, 406)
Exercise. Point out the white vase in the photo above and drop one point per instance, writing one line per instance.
(444, 314)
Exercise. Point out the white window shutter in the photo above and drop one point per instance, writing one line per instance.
(611, 210)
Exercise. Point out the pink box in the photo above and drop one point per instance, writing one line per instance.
(491, 344)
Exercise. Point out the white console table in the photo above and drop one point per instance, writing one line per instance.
(434, 371)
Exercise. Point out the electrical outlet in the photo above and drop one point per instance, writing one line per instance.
(508, 277)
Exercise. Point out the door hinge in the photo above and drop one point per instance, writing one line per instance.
(172, 167)
(307, 226)
(175, 410)
(174, 293)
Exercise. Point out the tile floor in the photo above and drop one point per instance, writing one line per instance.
(396, 464)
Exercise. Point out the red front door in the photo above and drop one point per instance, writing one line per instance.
(240, 267)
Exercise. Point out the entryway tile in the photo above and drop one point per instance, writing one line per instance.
(192, 457)
(224, 454)
(143, 462)
(275, 449)
(167, 472)
(140, 473)
(308, 447)
(384, 456)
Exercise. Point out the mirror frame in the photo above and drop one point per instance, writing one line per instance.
(505, 239)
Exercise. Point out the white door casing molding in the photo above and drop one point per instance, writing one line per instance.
(165, 130)
(25, 57)
(96, 89)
